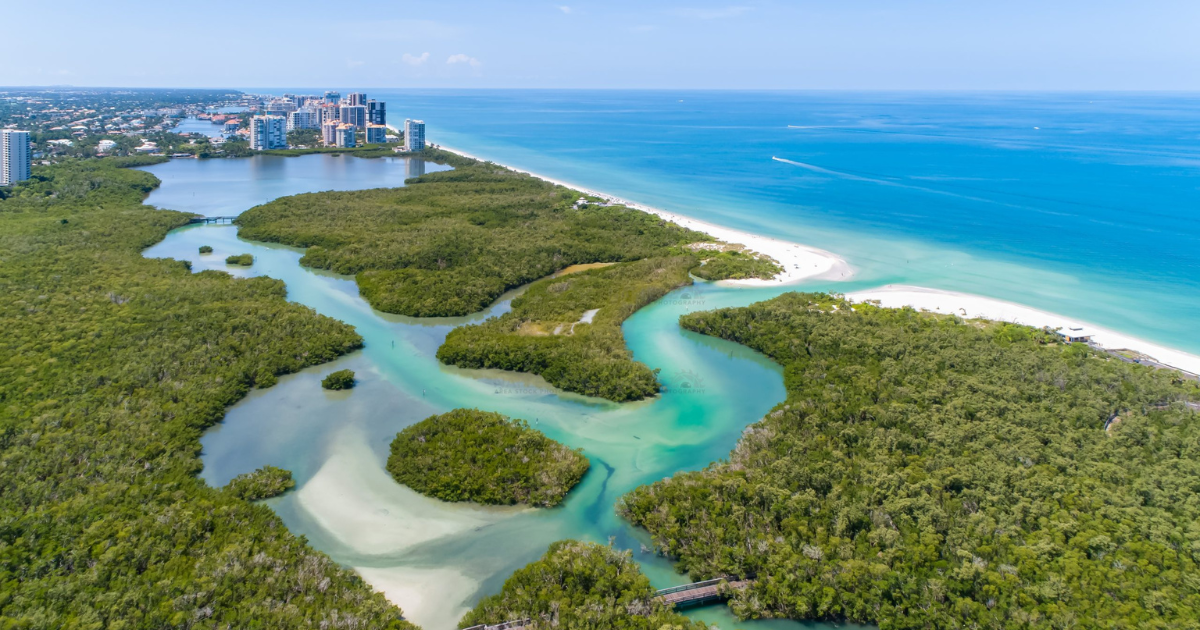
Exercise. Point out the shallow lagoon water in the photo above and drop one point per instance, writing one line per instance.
(437, 559)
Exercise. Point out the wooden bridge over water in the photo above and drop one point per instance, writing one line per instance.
(217, 220)
(683, 596)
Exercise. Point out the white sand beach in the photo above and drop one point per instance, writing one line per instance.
(799, 262)
(979, 307)
(802, 262)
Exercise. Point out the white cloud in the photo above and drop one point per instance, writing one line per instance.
(712, 13)
(461, 58)
(414, 60)
(564, 9)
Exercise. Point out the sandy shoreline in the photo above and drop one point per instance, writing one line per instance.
(979, 307)
(799, 262)
(802, 262)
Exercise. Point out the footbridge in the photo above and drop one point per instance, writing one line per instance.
(700, 593)
(211, 220)
(682, 596)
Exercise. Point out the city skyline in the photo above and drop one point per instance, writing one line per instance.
(923, 45)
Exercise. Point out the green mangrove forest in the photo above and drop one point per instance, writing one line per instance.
(472, 455)
(113, 365)
(930, 472)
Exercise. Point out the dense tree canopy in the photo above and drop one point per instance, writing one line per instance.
(113, 365)
(449, 243)
(580, 586)
(472, 455)
(926, 472)
(544, 333)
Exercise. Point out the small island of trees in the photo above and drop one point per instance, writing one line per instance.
(264, 483)
(244, 260)
(472, 455)
(206, 249)
(341, 379)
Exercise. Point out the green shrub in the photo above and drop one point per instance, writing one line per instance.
(341, 379)
(244, 260)
(472, 455)
(264, 483)
(206, 249)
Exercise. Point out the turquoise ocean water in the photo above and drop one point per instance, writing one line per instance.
(1082, 204)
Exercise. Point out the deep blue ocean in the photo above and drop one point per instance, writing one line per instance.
(1082, 204)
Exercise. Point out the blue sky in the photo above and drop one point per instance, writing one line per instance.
(801, 44)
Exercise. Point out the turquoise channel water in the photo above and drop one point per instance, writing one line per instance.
(437, 559)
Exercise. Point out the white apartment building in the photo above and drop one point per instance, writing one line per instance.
(267, 132)
(303, 118)
(15, 156)
(414, 135)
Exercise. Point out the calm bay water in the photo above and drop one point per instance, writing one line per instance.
(1092, 215)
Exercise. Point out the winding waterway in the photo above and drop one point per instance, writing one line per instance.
(432, 558)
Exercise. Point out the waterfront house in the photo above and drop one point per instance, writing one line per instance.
(1075, 335)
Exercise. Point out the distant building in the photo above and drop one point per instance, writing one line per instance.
(303, 118)
(231, 126)
(376, 134)
(345, 136)
(376, 112)
(15, 156)
(356, 98)
(332, 97)
(329, 132)
(414, 135)
(267, 132)
(104, 146)
(281, 107)
(354, 115)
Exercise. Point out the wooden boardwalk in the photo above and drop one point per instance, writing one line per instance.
(694, 594)
(699, 593)
(211, 220)
(507, 625)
